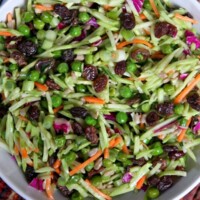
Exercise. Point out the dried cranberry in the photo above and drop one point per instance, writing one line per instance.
(94, 172)
(165, 183)
(165, 28)
(52, 85)
(45, 64)
(100, 83)
(27, 47)
(64, 191)
(89, 72)
(91, 134)
(12, 42)
(139, 162)
(30, 173)
(127, 20)
(152, 118)
(180, 168)
(33, 113)
(77, 128)
(120, 67)
(162, 161)
(3, 111)
(194, 100)
(170, 148)
(68, 55)
(52, 159)
(175, 155)
(140, 55)
(165, 109)
(78, 112)
(153, 180)
(19, 58)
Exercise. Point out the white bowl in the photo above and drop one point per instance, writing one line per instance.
(13, 176)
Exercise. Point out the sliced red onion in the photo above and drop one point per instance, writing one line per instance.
(138, 4)
(61, 25)
(93, 22)
(186, 52)
(96, 44)
(127, 177)
(61, 124)
(165, 127)
(110, 117)
(37, 184)
(183, 76)
(192, 38)
(196, 128)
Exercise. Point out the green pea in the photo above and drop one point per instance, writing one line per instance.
(34, 75)
(178, 109)
(89, 59)
(57, 54)
(96, 180)
(63, 68)
(169, 89)
(147, 5)
(84, 17)
(81, 88)
(131, 67)
(60, 141)
(107, 163)
(146, 141)
(70, 157)
(56, 100)
(10, 85)
(90, 167)
(183, 122)
(121, 117)
(38, 24)
(157, 149)
(48, 121)
(145, 107)
(76, 196)
(153, 193)
(76, 178)
(24, 29)
(122, 157)
(46, 17)
(42, 79)
(12, 67)
(28, 16)
(166, 49)
(125, 92)
(75, 31)
(76, 66)
(89, 120)
(61, 181)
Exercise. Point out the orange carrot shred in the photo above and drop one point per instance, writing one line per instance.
(158, 55)
(6, 60)
(183, 132)
(125, 149)
(16, 149)
(107, 7)
(94, 100)
(161, 137)
(153, 5)
(56, 110)
(43, 8)
(184, 18)
(105, 196)
(112, 143)
(23, 118)
(142, 16)
(57, 164)
(140, 183)
(41, 87)
(48, 189)
(84, 164)
(9, 17)
(24, 153)
(6, 34)
(106, 153)
(187, 89)
(147, 32)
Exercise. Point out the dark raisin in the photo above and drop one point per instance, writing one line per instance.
(140, 55)
(170, 148)
(64, 191)
(52, 85)
(134, 100)
(3, 111)
(120, 68)
(162, 161)
(165, 109)
(45, 64)
(30, 173)
(77, 128)
(165, 28)
(72, 19)
(94, 172)
(127, 20)
(139, 162)
(32, 28)
(68, 55)
(180, 168)
(100, 83)
(194, 100)
(91, 134)
(78, 112)
(19, 58)
(152, 118)
(27, 47)
(12, 42)
(8, 74)
(52, 159)
(175, 155)
(33, 113)
(153, 180)
(165, 183)
(89, 72)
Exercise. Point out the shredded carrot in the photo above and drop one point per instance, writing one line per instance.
(48, 189)
(112, 143)
(94, 100)
(9, 17)
(157, 55)
(57, 164)
(140, 183)
(84, 164)
(16, 150)
(183, 132)
(6, 60)
(43, 8)
(24, 153)
(118, 140)
(134, 41)
(186, 91)
(36, 150)
(153, 5)
(142, 16)
(30, 163)
(125, 149)
(142, 78)
(6, 34)
(57, 171)
(56, 110)
(105, 196)
(106, 153)
(130, 78)
(170, 72)
(187, 19)
(107, 7)
(147, 31)
(41, 87)
(161, 137)
(23, 118)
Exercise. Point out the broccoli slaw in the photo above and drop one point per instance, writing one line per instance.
(100, 98)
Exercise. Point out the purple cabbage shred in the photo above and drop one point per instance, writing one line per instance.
(61, 124)
(138, 5)
(37, 184)
(191, 38)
